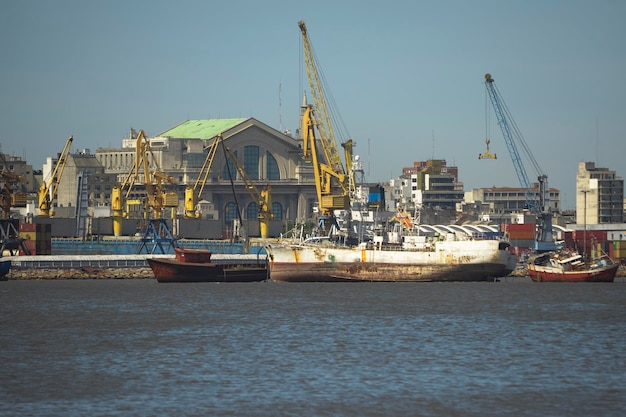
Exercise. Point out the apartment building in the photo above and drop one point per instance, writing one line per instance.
(599, 195)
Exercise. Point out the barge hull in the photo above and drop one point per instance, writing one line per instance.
(170, 270)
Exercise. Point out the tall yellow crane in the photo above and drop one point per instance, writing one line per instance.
(10, 196)
(145, 168)
(332, 180)
(328, 197)
(193, 193)
(325, 127)
(48, 189)
(262, 198)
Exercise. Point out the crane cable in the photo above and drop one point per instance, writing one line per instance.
(518, 135)
(487, 116)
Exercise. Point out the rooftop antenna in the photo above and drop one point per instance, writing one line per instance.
(280, 111)
(369, 159)
(597, 143)
(433, 157)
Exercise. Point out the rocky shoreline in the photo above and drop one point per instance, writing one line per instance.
(86, 272)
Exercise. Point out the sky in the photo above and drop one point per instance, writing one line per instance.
(406, 77)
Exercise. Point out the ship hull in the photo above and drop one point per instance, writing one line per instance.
(171, 270)
(444, 261)
(546, 274)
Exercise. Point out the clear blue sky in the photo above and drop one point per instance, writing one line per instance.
(406, 76)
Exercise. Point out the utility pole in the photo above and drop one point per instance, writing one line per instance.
(585, 224)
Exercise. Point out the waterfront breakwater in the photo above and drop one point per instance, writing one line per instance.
(126, 266)
(81, 267)
(85, 272)
(104, 266)
(90, 272)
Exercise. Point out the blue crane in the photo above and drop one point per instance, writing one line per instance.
(539, 204)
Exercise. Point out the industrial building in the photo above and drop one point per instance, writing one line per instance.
(511, 199)
(20, 167)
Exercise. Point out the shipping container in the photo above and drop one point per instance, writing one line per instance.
(617, 249)
(522, 243)
(598, 235)
(520, 227)
(616, 235)
(28, 227)
(522, 235)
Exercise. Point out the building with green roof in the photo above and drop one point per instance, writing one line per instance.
(201, 129)
(267, 155)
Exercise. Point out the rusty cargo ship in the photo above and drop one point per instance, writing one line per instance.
(415, 260)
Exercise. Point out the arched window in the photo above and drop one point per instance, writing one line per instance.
(277, 211)
(251, 161)
(273, 172)
(252, 211)
(229, 166)
(230, 212)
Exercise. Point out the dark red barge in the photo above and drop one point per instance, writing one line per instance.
(194, 265)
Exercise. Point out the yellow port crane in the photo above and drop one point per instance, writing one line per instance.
(10, 196)
(193, 193)
(262, 198)
(49, 188)
(325, 127)
(333, 181)
(327, 196)
(145, 169)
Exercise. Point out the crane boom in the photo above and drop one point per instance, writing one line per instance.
(49, 188)
(325, 127)
(538, 204)
(511, 135)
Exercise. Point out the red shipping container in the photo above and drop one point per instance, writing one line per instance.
(598, 235)
(28, 227)
(521, 226)
(31, 246)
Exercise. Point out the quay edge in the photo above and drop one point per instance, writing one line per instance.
(99, 266)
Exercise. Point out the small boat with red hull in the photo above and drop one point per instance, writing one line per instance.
(194, 265)
(555, 267)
